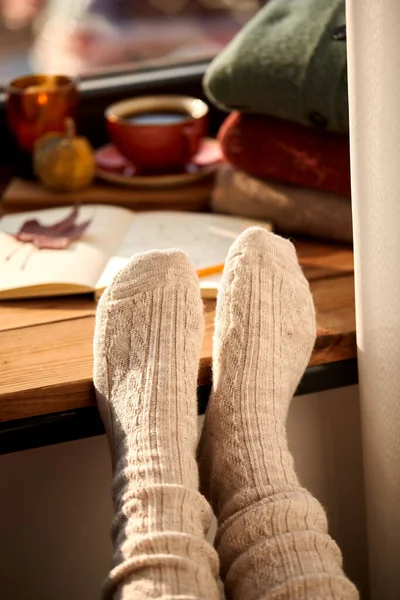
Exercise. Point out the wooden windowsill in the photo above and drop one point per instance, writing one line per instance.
(46, 345)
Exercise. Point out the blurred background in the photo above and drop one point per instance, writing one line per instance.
(94, 37)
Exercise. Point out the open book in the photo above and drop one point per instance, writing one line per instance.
(112, 237)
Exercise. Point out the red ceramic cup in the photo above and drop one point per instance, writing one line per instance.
(158, 132)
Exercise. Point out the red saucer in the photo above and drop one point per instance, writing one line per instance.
(112, 166)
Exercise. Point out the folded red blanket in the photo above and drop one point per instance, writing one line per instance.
(270, 148)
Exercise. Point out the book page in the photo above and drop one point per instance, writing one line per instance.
(23, 266)
(206, 238)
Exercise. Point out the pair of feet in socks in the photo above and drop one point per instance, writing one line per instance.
(272, 539)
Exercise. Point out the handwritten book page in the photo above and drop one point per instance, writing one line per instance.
(25, 271)
(206, 238)
(113, 236)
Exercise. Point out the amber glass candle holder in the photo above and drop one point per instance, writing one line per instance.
(39, 104)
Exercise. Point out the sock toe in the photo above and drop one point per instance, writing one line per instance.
(256, 244)
(150, 270)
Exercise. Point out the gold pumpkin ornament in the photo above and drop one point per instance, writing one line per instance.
(64, 162)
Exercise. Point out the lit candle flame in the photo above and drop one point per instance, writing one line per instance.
(42, 99)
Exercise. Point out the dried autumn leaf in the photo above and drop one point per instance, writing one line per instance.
(53, 237)
(57, 236)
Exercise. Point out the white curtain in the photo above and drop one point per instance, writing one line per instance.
(373, 46)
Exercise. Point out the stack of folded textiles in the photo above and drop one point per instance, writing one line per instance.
(286, 143)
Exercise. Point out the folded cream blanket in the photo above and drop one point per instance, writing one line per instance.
(292, 209)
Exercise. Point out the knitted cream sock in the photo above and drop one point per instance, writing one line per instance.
(272, 538)
(149, 328)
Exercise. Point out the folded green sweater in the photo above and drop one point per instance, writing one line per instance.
(286, 63)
